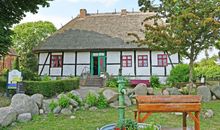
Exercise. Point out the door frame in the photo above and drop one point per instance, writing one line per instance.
(99, 54)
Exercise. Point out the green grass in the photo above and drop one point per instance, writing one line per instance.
(4, 101)
(89, 120)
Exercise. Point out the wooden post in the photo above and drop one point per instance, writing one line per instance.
(184, 121)
(197, 123)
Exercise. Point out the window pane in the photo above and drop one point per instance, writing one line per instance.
(129, 65)
(160, 62)
(159, 56)
(129, 57)
(145, 57)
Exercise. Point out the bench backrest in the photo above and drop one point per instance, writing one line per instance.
(169, 99)
(174, 103)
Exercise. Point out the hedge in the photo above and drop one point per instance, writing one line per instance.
(50, 88)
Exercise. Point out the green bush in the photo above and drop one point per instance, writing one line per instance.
(53, 105)
(154, 82)
(30, 75)
(74, 97)
(50, 88)
(102, 102)
(180, 73)
(91, 99)
(3, 83)
(64, 102)
(112, 82)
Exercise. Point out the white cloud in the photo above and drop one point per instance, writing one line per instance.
(56, 20)
(104, 2)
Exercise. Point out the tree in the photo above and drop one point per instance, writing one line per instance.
(184, 27)
(26, 37)
(12, 11)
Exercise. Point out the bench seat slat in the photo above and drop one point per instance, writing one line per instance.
(169, 99)
(170, 107)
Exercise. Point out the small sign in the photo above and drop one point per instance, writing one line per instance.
(20, 87)
(14, 77)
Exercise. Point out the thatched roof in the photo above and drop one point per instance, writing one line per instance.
(75, 39)
(114, 25)
(98, 31)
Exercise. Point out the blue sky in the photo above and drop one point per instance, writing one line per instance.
(62, 11)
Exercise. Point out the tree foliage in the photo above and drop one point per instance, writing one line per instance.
(26, 37)
(191, 26)
(208, 68)
(12, 11)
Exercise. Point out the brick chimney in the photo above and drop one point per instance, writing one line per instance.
(123, 12)
(83, 13)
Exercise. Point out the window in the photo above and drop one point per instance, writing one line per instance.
(162, 59)
(127, 61)
(56, 61)
(142, 61)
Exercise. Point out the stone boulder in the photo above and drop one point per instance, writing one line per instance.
(209, 114)
(110, 95)
(127, 101)
(165, 92)
(150, 91)
(140, 89)
(205, 92)
(7, 116)
(76, 93)
(61, 95)
(46, 104)
(38, 99)
(22, 103)
(57, 110)
(25, 117)
(74, 103)
(93, 108)
(66, 111)
(216, 91)
(173, 91)
(114, 104)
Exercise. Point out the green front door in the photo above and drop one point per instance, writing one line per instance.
(98, 65)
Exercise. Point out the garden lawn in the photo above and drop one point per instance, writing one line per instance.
(89, 120)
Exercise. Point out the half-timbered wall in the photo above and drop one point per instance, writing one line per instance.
(74, 63)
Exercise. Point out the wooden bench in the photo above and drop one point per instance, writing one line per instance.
(135, 82)
(187, 104)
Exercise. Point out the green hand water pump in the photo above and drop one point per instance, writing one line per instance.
(121, 92)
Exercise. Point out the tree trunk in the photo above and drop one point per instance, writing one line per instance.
(191, 63)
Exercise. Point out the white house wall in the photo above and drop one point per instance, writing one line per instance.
(113, 57)
(68, 70)
(113, 62)
(55, 71)
(83, 57)
(113, 69)
(69, 58)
